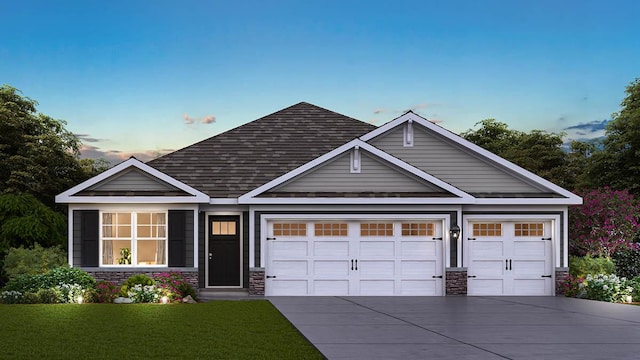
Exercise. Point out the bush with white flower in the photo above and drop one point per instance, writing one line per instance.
(69, 293)
(603, 287)
(11, 297)
(144, 293)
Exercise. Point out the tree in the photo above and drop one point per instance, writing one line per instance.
(537, 151)
(605, 223)
(38, 155)
(618, 164)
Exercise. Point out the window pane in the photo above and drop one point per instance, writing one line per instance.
(144, 231)
(159, 218)
(124, 231)
(107, 218)
(151, 252)
(124, 218)
(116, 252)
(144, 218)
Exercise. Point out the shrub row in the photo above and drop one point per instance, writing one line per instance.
(72, 285)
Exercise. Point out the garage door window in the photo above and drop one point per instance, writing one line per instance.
(417, 229)
(376, 229)
(289, 229)
(487, 229)
(331, 229)
(529, 229)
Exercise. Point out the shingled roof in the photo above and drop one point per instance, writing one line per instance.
(244, 158)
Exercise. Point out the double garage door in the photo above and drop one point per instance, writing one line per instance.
(354, 257)
(510, 257)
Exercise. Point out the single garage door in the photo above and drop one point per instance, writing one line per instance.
(354, 257)
(510, 258)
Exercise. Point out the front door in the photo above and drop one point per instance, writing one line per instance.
(224, 251)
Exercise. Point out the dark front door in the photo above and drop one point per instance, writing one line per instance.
(224, 251)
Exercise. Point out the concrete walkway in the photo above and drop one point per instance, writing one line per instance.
(465, 327)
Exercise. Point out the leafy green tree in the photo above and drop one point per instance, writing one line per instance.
(618, 164)
(38, 155)
(537, 151)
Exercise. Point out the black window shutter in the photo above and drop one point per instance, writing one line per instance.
(89, 233)
(177, 238)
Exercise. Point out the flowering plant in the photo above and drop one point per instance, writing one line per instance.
(570, 287)
(605, 222)
(609, 288)
(174, 285)
(144, 293)
(106, 291)
(69, 293)
(11, 297)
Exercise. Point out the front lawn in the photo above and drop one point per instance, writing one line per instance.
(212, 330)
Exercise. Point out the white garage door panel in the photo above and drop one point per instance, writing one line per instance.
(331, 248)
(377, 287)
(330, 287)
(488, 286)
(362, 263)
(377, 267)
(370, 248)
(535, 248)
(290, 249)
(289, 287)
(331, 267)
(418, 287)
(530, 286)
(513, 257)
(290, 267)
(420, 268)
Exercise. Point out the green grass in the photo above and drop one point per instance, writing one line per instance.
(212, 330)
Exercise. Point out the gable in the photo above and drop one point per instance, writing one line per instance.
(375, 176)
(132, 181)
(452, 163)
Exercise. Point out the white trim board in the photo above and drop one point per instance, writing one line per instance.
(69, 196)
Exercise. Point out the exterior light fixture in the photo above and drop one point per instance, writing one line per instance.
(80, 299)
(164, 299)
(454, 231)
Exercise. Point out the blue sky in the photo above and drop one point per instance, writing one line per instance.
(145, 77)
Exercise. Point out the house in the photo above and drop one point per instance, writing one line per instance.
(306, 201)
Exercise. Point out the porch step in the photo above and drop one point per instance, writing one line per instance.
(224, 294)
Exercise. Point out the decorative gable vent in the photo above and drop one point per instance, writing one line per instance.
(408, 134)
(355, 160)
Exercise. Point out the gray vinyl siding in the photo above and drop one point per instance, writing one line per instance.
(189, 229)
(375, 176)
(77, 240)
(132, 180)
(452, 164)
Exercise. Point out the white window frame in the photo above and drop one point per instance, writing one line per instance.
(134, 237)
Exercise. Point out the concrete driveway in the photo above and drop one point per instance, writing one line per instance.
(465, 327)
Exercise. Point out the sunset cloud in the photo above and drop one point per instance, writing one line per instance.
(194, 120)
(115, 157)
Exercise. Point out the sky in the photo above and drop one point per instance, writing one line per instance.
(147, 77)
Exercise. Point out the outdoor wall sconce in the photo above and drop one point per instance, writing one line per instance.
(454, 231)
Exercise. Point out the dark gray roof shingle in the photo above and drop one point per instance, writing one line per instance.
(244, 158)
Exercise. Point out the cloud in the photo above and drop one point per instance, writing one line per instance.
(116, 156)
(379, 111)
(590, 127)
(203, 120)
(87, 138)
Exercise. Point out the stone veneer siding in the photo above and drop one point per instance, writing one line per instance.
(120, 275)
(256, 281)
(561, 275)
(456, 281)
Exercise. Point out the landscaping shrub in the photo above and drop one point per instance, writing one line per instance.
(174, 285)
(11, 297)
(628, 261)
(608, 288)
(138, 279)
(67, 283)
(587, 265)
(47, 296)
(571, 286)
(105, 292)
(144, 293)
(635, 284)
(36, 260)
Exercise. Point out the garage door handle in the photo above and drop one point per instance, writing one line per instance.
(356, 264)
(271, 277)
(437, 276)
(547, 276)
(471, 276)
(510, 268)
(351, 264)
(506, 264)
